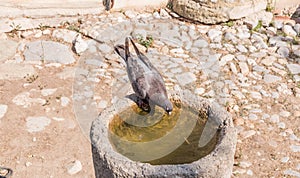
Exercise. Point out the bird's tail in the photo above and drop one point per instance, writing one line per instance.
(120, 50)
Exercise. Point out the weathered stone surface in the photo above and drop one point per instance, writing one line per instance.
(19, 71)
(48, 51)
(212, 13)
(7, 49)
(109, 163)
(294, 68)
(37, 124)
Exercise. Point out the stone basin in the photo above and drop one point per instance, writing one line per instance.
(218, 163)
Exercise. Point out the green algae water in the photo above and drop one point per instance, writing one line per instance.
(160, 138)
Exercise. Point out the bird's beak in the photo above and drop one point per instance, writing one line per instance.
(169, 113)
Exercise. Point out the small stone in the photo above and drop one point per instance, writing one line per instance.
(104, 48)
(283, 51)
(291, 173)
(24, 99)
(247, 134)
(214, 35)
(58, 118)
(47, 92)
(285, 159)
(278, 24)
(27, 164)
(26, 34)
(37, 124)
(199, 91)
(297, 28)
(186, 78)
(295, 148)
(233, 68)
(177, 51)
(244, 68)
(256, 95)
(3, 110)
(156, 15)
(249, 172)
(281, 125)
(64, 101)
(245, 164)
(294, 68)
(66, 35)
(130, 14)
(269, 60)
(74, 167)
(200, 43)
(268, 78)
(80, 45)
(284, 113)
(102, 104)
(288, 30)
(274, 118)
(273, 143)
(164, 14)
(241, 48)
(253, 117)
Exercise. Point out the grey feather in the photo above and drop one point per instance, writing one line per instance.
(145, 79)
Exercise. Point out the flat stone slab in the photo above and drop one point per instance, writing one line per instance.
(212, 12)
(7, 49)
(11, 71)
(218, 163)
(48, 51)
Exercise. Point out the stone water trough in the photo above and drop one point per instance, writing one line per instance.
(218, 162)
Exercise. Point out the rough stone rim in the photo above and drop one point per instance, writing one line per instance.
(209, 165)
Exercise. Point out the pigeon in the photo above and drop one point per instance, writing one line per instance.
(145, 79)
(108, 4)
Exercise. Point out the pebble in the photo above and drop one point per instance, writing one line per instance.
(249, 172)
(247, 134)
(3, 110)
(66, 35)
(244, 68)
(245, 164)
(274, 118)
(283, 51)
(80, 45)
(268, 78)
(102, 104)
(214, 35)
(74, 167)
(269, 60)
(294, 68)
(295, 148)
(199, 91)
(64, 101)
(186, 78)
(130, 14)
(37, 124)
(24, 99)
(288, 30)
(47, 92)
(291, 173)
(285, 114)
(285, 159)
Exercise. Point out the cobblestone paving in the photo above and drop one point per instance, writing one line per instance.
(55, 81)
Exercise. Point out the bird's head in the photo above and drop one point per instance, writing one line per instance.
(168, 107)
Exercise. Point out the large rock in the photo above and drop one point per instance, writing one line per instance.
(48, 51)
(212, 12)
